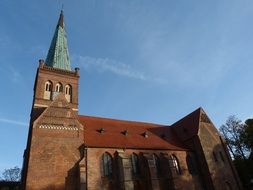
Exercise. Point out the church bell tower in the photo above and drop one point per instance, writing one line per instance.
(55, 136)
(54, 76)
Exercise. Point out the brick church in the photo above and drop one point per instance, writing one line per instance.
(69, 151)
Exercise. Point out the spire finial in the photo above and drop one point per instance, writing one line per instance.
(61, 19)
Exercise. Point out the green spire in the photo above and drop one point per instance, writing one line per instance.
(58, 54)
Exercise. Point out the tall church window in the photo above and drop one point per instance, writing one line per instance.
(135, 164)
(48, 90)
(191, 164)
(58, 87)
(157, 163)
(68, 93)
(106, 164)
(175, 164)
(48, 86)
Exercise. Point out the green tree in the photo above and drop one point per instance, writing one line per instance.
(239, 138)
(12, 174)
(233, 132)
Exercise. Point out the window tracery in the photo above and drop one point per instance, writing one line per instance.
(68, 93)
(175, 164)
(48, 90)
(58, 87)
(106, 165)
(135, 164)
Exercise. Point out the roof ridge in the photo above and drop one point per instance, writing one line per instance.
(122, 120)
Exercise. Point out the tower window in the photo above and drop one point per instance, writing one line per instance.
(106, 162)
(68, 93)
(58, 87)
(48, 86)
(68, 90)
(48, 90)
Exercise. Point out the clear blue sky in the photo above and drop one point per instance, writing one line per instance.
(153, 61)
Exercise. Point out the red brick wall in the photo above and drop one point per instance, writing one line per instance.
(95, 181)
(52, 163)
(55, 75)
(55, 149)
(220, 168)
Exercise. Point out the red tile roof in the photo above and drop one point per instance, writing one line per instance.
(113, 136)
(188, 126)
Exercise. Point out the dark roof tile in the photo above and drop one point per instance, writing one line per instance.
(112, 134)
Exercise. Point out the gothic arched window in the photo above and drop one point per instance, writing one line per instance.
(58, 87)
(135, 164)
(48, 90)
(48, 86)
(157, 163)
(68, 93)
(191, 164)
(175, 164)
(106, 164)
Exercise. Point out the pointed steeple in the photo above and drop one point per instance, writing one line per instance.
(58, 55)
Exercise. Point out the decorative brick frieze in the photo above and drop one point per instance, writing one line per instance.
(58, 127)
(56, 70)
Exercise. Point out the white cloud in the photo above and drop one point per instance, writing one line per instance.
(109, 65)
(14, 122)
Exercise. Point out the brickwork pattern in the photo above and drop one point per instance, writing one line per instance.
(55, 149)
(45, 74)
(96, 181)
(56, 157)
(216, 158)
